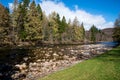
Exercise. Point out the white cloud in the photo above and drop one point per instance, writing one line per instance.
(107, 25)
(88, 19)
(11, 7)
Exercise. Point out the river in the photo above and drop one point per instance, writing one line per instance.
(10, 58)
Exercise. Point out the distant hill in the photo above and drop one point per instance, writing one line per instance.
(104, 35)
(108, 34)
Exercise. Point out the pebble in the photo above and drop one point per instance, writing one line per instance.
(44, 66)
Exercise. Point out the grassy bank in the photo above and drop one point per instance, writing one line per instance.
(103, 67)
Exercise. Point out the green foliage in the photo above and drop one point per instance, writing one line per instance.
(40, 12)
(75, 30)
(33, 23)
(4, 22)
(63, 25)
(18, 21)
(69, 31)
(23, 35)
(53, 26)
(93, 31)
(45, 28)
(25, 3)
(78, 31)
(82, 31)
(116, 32)
(28, 22)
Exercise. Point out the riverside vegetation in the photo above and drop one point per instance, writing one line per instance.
(27, 25)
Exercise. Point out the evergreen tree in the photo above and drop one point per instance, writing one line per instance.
(53, 27)
(63, 25)
(59, 26)
(14, 17)
(63, 28)
(40, 11)
(75, 30)
(21, 19)
(116, 32)
(18, 20)
(93, 31)
(33, 23)
(25, 3)
(45, 28)
(69, 31)
(4, 23)
(82, 31)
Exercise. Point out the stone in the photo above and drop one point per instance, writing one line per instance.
(38, 60)
(51, 51)
(62, 50)
(55, 54)
(22, 66)
(25, 59)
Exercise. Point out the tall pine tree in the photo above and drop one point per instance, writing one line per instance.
(93, 31)
(40, 12)
(53, 27)
(4, 23)
(82, 32)
(33, 24)
(116, 31)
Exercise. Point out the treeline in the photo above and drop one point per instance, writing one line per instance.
(116, 32)
(28, 23)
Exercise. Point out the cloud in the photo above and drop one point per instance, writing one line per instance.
(88, 19)
(108, 25)
(11, 7)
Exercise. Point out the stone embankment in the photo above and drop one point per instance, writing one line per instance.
(48, 60)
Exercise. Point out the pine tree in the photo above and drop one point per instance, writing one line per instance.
(18, 20)
(33, 23)
(25, 3)
(40, 12)
(14, 17)
(63, 29)
(53, 27)
(59, 26)
(63, 24)
(93, 31)
(4, 23)
(69, 31)
(82, 32)
(116, 32)
(21, 19)
(45, 27)
(76, 30)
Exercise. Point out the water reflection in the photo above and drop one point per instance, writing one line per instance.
(8, 59)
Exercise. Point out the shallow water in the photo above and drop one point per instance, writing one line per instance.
(10, 57)
(109, 44)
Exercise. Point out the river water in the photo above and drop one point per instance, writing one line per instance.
(109, 44)
(11, 57)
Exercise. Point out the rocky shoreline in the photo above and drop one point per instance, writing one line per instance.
(48, 60)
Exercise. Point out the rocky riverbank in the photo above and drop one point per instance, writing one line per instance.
(51, 59)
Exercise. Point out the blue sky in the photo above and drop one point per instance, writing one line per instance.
(106, 10)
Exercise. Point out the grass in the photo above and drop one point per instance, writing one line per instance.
(102, 67)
